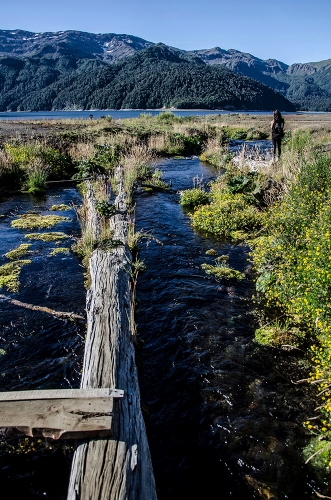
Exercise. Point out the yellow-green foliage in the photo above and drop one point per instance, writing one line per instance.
(60, 250)
(194, 197)
(222, 272)
(10, 273)
(18, 252)
(319, 449)
(62, 206)
(22, 154)
(52, 236)
(293, 265)
(226, 213)
(34, 221)
(277, 335)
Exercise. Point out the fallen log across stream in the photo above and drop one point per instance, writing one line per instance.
(118, 467)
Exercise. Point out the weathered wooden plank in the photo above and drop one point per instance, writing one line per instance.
(58, 416)
(118, 468)
(61, 394)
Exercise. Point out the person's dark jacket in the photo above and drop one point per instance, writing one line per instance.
(277, 129)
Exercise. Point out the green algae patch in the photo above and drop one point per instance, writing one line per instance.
(19, 252)
(52, 236)
(35, 221)
(60, 250)
(222, 272)
(10, 274)
(62, 206)
(2, 352)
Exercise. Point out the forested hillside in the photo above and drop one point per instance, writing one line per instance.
(307, 85)
(153, 78)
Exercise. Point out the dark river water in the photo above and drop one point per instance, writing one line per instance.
(224, 419)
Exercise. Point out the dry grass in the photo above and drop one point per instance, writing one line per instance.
(81, 150)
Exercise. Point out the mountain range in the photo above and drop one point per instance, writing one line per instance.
(79, 70)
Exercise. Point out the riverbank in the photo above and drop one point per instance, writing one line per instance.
(32, 152)
(283, 212)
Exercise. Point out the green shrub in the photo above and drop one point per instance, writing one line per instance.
(105, 208)
(194, 197)
(225, 214)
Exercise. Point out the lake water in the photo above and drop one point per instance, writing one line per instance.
(116, 114)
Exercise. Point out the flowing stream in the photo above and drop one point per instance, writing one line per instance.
(39, 350)
(224, 419)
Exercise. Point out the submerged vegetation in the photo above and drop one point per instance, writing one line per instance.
(19, 252)
(61, 207)
(10, 274)
(37, 221)
(60, 250)
(47, 237)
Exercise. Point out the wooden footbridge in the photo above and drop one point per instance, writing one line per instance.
(111, 459)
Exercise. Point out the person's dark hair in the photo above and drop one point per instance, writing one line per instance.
(277, 115)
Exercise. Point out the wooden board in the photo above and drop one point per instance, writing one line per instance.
(67, 413)
(61, 394)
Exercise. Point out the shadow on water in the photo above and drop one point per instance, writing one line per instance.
(224, 419)
(39, 350)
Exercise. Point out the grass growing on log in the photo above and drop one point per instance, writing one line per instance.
(10, 274)
(47, 237)
(36, 221)
(19, 252)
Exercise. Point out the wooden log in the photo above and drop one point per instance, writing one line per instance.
(118, 468)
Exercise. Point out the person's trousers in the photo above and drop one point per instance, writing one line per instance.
(277, 144)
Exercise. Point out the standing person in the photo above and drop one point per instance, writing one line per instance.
(277, 132)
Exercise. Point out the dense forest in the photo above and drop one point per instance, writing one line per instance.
(307, 85)
(155, 77)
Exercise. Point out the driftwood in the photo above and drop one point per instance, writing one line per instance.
(58, 314)
(119, 467)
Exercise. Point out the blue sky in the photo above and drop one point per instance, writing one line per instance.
(288, 30)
